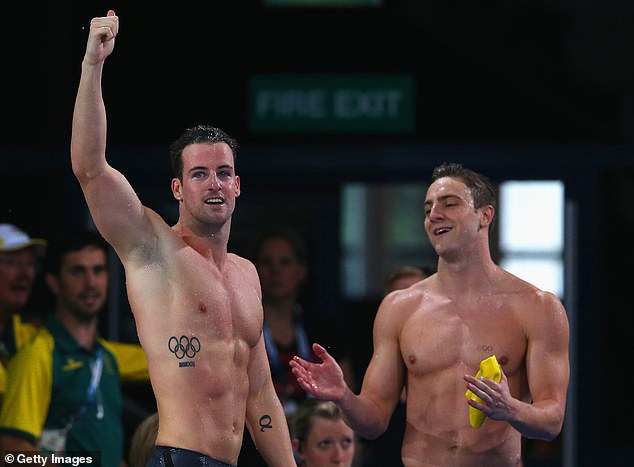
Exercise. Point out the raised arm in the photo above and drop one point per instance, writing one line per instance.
(115, 208)
(368, 413)
(548, 371)
(265, 417)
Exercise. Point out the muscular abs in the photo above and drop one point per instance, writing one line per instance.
(440, 344)
(198, 328)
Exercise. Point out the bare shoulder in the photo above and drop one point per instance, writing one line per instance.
(528, 291)
(243, 264)
(399, 305)
(536, 307)
(245, 269)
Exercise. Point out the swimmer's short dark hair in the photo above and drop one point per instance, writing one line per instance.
(205, 134)
(480, 186)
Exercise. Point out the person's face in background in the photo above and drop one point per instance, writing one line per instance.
(17, 274)
(281, 272)
(329, 443)
(82, 282)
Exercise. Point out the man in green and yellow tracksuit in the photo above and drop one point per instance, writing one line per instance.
(63, 391)
(19, 255)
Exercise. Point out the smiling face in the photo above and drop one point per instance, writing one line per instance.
(209, 187)
(82, 282)
(452, 222)
(329, 443)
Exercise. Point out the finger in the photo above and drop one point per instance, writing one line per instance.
(115, 26)
(304, 385)
(318, 349)
(478, 405)
(504, 380)
(480, 382)
(299, 362)
(321, 353)
(107, 26)
(297, 370)
(481, 393)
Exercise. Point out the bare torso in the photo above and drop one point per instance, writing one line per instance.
(198, 324)
(441, 340)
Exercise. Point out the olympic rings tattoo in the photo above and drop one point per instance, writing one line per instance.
(184, 347)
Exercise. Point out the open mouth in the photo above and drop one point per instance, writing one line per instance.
(215, 200)
(441, 230)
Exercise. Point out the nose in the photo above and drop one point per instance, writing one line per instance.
(435, 212)
(337, 453)
(26, 269)
(91, 278)
(214, 182)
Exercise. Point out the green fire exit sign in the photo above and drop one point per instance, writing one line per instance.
(332, 104)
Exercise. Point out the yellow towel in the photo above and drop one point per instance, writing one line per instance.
(489, 368)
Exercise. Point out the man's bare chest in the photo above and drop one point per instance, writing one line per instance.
(194, 299)
(440, 338)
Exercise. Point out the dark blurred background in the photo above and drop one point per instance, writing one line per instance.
(517, 89)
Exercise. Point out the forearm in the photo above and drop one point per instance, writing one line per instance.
(268, 428)
(541, 420)
(363, 415)
(88, 142)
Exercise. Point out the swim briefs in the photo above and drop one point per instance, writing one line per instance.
(165, 456)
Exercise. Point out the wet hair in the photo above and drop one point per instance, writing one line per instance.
(481, 188)
(307, 411)
(68, 241)
(291, 236)
(199, 134)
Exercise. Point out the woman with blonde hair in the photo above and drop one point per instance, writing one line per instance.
(320, 435)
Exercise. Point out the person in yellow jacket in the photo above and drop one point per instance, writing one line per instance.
(19, 254)
(63, 390)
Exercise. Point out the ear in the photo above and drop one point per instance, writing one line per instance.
(177, 189)
(52, 282)
(237, 181)
(486, 215)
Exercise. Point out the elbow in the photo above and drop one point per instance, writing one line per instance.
(83, 172)
(547, 435)
(369, 434)
(542, 435)
(548, 432)
(372, 431)
(79, 169)
(552, 432)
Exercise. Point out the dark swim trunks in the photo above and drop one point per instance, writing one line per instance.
(165, 456)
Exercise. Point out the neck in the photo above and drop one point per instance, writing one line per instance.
(83, 330)
(210, 242)
(468, 273)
